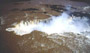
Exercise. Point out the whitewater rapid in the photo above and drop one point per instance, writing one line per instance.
(56, 24)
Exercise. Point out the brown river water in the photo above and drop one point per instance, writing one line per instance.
(36, 41)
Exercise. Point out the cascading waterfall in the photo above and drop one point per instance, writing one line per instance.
(56, 24)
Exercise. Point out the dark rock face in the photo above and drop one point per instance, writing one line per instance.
(57, 8)
(87, 1)
(29, 9)
(80, 14)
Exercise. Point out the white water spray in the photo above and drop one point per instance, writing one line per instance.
(58, 24)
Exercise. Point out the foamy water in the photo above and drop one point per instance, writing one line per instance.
(57, 24)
